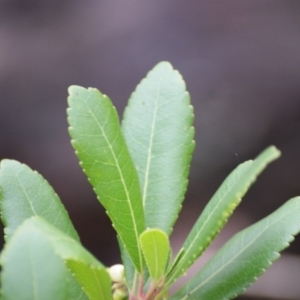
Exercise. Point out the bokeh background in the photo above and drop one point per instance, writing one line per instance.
(241, 63)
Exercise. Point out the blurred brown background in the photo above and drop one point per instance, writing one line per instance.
(240, 60)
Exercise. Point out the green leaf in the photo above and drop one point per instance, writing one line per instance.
(176, 261)
(94, 280)
(25, 193)
(75, 289)
(31, 269)
(100, 146)
(39, 272)
(130, 272)
(156, 249)
(157, 126)
(245, 257)
(219, 209)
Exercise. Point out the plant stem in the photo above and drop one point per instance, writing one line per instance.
(140, 288)
(152, 292)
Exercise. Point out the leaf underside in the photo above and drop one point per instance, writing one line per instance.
(157, 127)
(40, 271)
(245, 257)
(105, 159)
(219, 209)
(25, 193)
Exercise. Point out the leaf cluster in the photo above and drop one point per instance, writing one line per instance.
(138, 170)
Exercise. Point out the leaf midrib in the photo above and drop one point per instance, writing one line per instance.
(155, 255)
(150, 146)
(26, 195)
(98, 284)
(34, 281)
(122, 179)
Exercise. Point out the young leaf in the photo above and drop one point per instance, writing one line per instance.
(219, 209)
(100, 146)
(157, 126)
(25, 193)
(156, 249)
(39, 272)
(245, 257)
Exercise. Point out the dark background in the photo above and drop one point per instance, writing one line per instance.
(241, 63)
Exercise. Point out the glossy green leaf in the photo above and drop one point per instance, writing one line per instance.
(39, 270)
(157, 126)
(25, 193)
(245, 257)
(219, 209)
(100, 146)
(156, 249)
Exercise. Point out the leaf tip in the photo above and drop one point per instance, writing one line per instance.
(74, 90)
(165, 64)
(275, 151)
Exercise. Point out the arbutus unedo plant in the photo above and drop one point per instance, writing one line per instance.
(139, 172)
